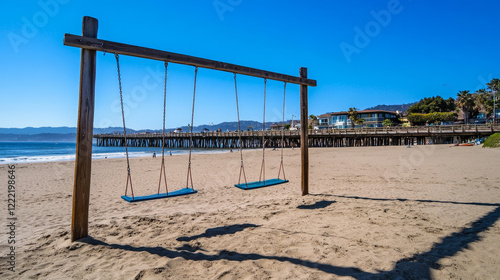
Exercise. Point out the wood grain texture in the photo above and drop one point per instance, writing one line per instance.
(304, 140)
(83, 162)
(86, 42)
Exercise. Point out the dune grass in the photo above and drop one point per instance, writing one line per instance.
(493, 141)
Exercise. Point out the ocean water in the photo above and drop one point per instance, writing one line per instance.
(22, 152)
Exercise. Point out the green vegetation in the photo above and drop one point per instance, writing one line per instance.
(393, 108)
(494, 85)
(313, 121)
(432, 110)
(387, 122)
(436, 109)
(421, 119)
(359, 121)
(467, 102)
(433, 105)
(483, 100)
(287, 126)
(353, 116)
(487, 96)
(493, 141)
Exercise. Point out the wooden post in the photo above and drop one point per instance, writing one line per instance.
(83, 163)
(304, 130)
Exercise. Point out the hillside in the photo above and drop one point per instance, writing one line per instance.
(41, 137)
(231, 126)
(38, 130)
(63, 134)
(393, 108)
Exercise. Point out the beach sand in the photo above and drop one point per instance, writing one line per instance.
(426, 212)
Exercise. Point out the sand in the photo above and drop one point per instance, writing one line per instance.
(426, 212)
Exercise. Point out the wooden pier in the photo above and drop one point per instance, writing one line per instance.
(317, 138)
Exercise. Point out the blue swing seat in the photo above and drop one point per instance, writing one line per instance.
(183, 191)
(260, 184)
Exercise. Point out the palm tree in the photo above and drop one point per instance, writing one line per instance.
(483, 101)
(353, 115)
(494, 87)
(359, 121)
(465, 101)
(313, 119)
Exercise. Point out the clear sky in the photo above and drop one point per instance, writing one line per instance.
(362, 53)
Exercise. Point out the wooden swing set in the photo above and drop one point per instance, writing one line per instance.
(89, 45)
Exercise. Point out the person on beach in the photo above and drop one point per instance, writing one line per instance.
(154, 154)
(170, 152)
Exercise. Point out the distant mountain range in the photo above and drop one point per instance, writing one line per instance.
(68, 134)
(40, 137)
(393, 108)
(229, 126)
(38, 130)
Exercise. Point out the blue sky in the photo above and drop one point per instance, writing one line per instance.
(362, 53)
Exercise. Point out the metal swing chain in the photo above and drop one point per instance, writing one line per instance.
(162, 169)
(189, 176)
(283, 135)
(124, 127)
(242, 168)
(263, 167)
(164, 110)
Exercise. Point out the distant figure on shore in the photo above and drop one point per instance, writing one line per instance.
(231, 150)
(154, 154)
(170, 152)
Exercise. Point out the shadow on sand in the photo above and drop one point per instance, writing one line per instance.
(416, 267)
(317, 205)
(217, 231)
(415, 200)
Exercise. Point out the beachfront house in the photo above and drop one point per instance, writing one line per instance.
(324, 121)
(481, 118)
(371, 118)
(277, 126)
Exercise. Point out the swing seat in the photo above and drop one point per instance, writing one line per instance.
(260, 184)
(184, 191)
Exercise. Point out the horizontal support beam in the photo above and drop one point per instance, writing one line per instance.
(131, 50)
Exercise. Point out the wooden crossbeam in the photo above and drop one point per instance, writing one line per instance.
(131, 50)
